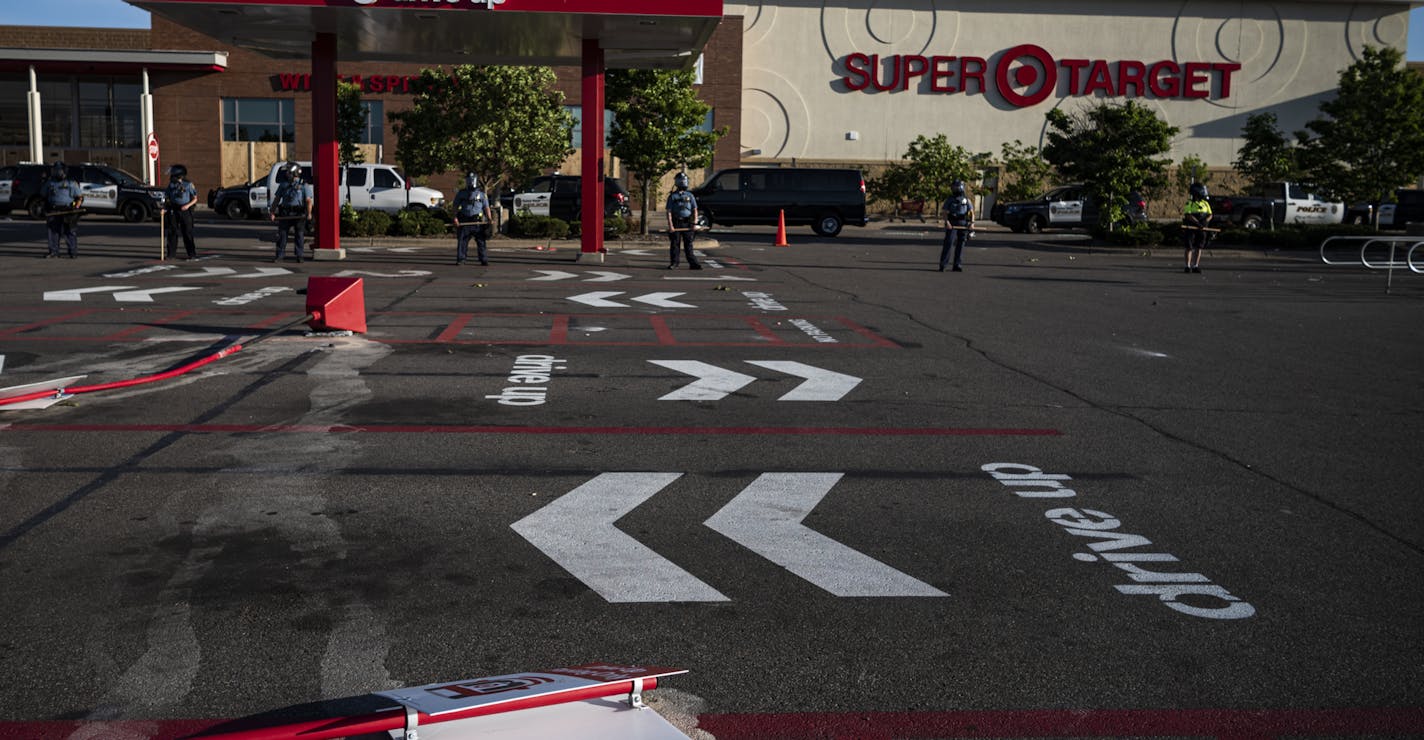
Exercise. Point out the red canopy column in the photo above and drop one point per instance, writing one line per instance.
(591, 215)
(325, 151)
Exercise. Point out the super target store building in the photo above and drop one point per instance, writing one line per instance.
(796, 83)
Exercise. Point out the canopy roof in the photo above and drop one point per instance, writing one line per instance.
(634, 34)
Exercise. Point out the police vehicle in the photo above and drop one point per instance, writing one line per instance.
(107, 190)
(366, 187)
(1063, 207)
(561, 196)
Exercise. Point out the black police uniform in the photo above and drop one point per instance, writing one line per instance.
(471, 207)
(681, 207)
(62, 194)
(957, 211)
(289, 206)
(179, 199)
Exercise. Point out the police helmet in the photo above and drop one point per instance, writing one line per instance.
(1197, 191)
(680, 181)
(472, 180)
(58, 171)
(294, 170)
(957, 187)
(177, 172)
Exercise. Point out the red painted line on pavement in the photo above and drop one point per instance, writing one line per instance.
(455, 327)
(1220, 723)
(491, 429)
(761, 328)
(876, 339)
(49, 322)
(136, 328)
(660, 327)
(559, 334)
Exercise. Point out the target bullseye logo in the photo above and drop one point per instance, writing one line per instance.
(1036, 73)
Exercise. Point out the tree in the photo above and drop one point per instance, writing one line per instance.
(931, 166)
(1026, 171)
(1372, 139)
(1113, 150)
(656, 120)
(1266, 155)
(350, 123)
(502, 123)
(1192, 169)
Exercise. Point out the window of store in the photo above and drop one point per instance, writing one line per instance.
(14, 113)
(576, 139)
(259, 119)
(56, 112)
(375, 114)
(108, 114)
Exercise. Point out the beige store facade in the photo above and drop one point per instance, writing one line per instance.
(854, 81)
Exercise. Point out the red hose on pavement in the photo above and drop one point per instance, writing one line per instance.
(175, 372)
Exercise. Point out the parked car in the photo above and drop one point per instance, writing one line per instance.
(1066, 206)
(7, 185)
(107, 190)
(1278, 202)
(824, 199)
(367, 187)
(1407, 208)
(235, 201)
(561, 196)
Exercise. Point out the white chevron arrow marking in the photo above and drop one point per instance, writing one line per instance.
(820, 385)
(662, 300)
(555, 275)
(712, 384)
(766, 519)
(146, 296)
(599, 299)
(608, 277)
(207, 272)
(576, 531)
(77, 294)
(230, 272)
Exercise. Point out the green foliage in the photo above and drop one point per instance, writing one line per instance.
(502, 123)
(525, 225)
(656, 120)
(931, 165)
(1266, 156)
(418, 222)
(1112, 149)
(1026, 170)
(1143, 234)
(894, 185)
(374, 223)
(350, 123)
(1372, 138)
(350, 223)
(1287, 236)
(1192, 169)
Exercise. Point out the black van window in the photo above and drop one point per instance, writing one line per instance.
(754, 181)
(727, 182)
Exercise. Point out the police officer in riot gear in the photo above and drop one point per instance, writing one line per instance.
(291, 209)
(62, 197)
(1196, 217)
(958, 223)
(179, 200)
(682, 218)
(472, 218)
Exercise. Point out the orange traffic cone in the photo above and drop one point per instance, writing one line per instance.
(781, 230)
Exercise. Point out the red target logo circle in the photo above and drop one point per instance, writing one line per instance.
(1039, 80)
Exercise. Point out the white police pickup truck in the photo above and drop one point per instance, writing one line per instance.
(367, 187)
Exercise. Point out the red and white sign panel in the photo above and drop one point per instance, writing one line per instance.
(153, 147)
(453, 696)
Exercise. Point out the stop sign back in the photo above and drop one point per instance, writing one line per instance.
(153, 147)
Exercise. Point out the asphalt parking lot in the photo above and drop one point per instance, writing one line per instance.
(1069, 492)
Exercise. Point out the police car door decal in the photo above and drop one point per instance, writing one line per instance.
(5, 184)
(1065, 211)
(536, 203)
(105, 196)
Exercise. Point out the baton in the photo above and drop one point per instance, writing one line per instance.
(1199, 228)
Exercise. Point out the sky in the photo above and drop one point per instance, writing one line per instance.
(118, 14)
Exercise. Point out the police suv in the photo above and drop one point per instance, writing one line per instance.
(1066, 206)
(107, 190)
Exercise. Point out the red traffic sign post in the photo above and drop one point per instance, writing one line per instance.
(153, 147)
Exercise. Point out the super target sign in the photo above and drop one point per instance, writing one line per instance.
(1027, 75)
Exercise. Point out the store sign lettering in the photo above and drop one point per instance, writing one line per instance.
(288, 81)
(1027, 75)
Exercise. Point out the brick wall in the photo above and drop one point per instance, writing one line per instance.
(52, 37)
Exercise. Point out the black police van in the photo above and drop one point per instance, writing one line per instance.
(824, 199)
(107, 190)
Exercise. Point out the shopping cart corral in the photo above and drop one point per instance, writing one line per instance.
(1387, 253)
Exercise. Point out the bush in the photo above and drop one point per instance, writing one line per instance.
(538, 227)
(612, 226)
(1143, 234)
(351, 222)
(418, 222)
(1291, 236)
(374, 223)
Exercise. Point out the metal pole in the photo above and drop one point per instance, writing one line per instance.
(145, 105)
(36, 120)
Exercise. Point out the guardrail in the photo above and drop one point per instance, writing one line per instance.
(1332, 256)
